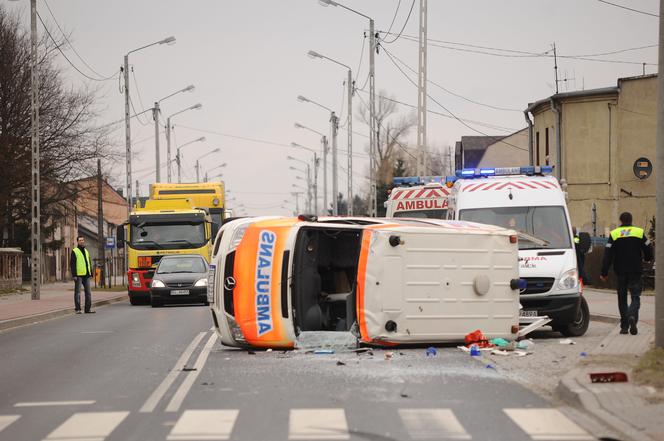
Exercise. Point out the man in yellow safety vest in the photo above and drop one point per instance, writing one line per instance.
(627, 248)
(81, 270)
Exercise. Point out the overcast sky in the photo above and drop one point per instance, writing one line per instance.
(247, 59)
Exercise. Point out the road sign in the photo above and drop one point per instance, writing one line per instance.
(110, 242)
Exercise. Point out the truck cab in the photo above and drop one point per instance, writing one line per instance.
(530, 201)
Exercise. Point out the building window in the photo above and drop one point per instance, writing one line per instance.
(537, 148)
(546, 146)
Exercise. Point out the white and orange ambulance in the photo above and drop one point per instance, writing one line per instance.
(388, 281)
(531, 201)
(418, 196)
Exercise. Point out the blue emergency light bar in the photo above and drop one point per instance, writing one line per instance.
(529, 170)
(406, 181)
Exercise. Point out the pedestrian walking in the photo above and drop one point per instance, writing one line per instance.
(626, 250)
(581, 249)
(81, 270)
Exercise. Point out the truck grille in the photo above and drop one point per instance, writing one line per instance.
(538, 285)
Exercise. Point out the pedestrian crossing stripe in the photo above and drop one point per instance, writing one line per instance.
(547, 425)
(204, 425)
(6, 420)
(87, 426)
(432, 424)
(317, 424)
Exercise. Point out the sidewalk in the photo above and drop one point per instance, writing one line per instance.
(56, 299)
(603, 306)
(633, 410)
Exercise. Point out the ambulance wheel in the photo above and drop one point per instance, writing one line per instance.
(580, 325)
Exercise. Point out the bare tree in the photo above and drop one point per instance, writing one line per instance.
(69, 141)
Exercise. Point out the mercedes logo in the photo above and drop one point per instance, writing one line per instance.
(229, 283)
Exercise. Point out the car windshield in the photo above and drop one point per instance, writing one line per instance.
(167, 236)
(429, 214)
(548, 224)
(193, 264)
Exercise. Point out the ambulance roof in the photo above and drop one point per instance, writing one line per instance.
(507, 191)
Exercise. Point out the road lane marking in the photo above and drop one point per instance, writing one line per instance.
(54, 403)
(432, 424)
(6, 420)
(547, 425)
(151, 403)
(188, 382)
(87, 426)
(317, 424)
(204, 425)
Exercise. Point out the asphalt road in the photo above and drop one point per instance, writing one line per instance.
(137, 373)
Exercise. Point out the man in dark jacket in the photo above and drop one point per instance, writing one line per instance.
(626, 250)
(81, 270)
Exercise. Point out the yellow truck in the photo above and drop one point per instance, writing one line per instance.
(208, 196)
(160, 228)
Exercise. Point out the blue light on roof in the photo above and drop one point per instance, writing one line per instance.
(528, 170)
(547, 169)
(487, 171)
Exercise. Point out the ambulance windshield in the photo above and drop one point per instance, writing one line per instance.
(429, 214)
(548, 224)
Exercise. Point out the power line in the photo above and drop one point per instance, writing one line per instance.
(448, 110)
(359, 64)
(57, 46)
(102, 77)
(138, 91)
(404, 25)
(456, 94)
(134, 110)
(395, 16)
(629, 9)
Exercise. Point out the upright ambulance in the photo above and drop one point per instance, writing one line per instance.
(529, 200)
(418, 196)
(388, 281)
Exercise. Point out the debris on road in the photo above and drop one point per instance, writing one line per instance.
(525, 344)
(431, 352)
(500, 342)
(324, 351)
(341, 363)
(499, 352)
(608, 377)
(388, 355)
(567, 341)
(474, 351)
(477, 338)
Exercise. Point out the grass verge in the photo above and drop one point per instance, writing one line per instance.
(650, 369)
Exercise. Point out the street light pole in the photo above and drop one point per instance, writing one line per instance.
(325, 148)
(168, 136)
(178, 157)
(335, 175)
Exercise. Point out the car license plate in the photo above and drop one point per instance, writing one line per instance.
(180, 292)
(524, 313)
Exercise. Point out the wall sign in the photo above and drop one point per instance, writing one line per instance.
(642, 168)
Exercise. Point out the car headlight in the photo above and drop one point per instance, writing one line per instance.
(236, 331)
(158, 284)
(201, 282)
(238, 235)
(569, 280)
(135, 280)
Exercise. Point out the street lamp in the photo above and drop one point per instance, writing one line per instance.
(325, 147)
(335, 174)
(214, 168)
(196, 106)
(316, 162)
(198, 165)
(178, 157)
(167, 40)
(155, 116)
(308, 171)
(349, 128)
(373, 129)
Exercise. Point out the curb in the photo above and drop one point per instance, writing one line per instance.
(605, 318)
(36, 318)
(571, 391)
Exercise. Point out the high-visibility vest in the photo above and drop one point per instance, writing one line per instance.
(81, 269)
(621, 232)
(577, 240)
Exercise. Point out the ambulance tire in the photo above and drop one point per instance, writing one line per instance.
(579, 326)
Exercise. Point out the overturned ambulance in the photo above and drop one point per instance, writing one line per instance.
(387, 281)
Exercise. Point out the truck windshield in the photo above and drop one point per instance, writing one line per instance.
(429, 214)
(147, 236)
(546, 223)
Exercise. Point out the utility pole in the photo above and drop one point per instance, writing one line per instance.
(373, 136)
(198, 166)
(309, 189)
(138, 195)
(422, 94)
(100, 224)
(349, 127)
(659, 176)
(177, 161)
(325, 150)
(168, 149)
(36, 247)
(155, 115)
(316, 162)
(335, 170)
(297, 202)
(127, 132)
(555, 66)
